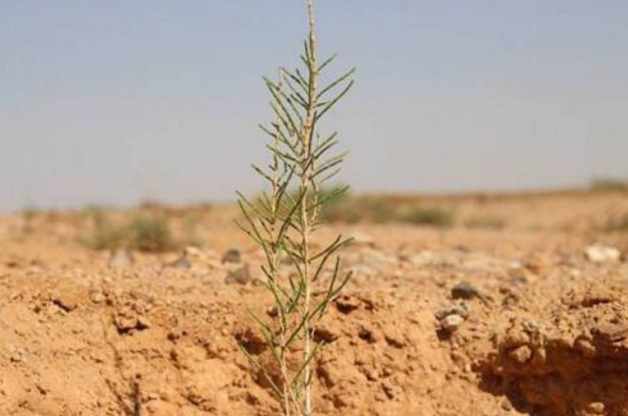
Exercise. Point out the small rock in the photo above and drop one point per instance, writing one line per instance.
(326, 334)
(97, 296)
(143, 323)
(240, 275)
(362, 270)
(183, 262)
(585, 347)
(232, 256)
(273, 311)
(361, 239)
(65, 302)
(611, 332)
(421, 259)
(194, 252)
(521, 355)
(535, 263)
(461, 310)
(597, 408)
(391, 390)
(347, 304)
(518, 280)
(16, 354)
(451, 323)
(121, 259)
(506, 405)
(127, 322)
(601, 254)
(205, 258)
(394, 336)
(176, 333)
(466, 291)
(368, 334)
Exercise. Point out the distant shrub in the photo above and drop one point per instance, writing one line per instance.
(486, 222)
(352, 210)
(342, 209)
(150, 233)
(617, 224)
(29, 214)
(609, 185)
(104, 237)
(346, 211)
(381, 209)
(430, 216)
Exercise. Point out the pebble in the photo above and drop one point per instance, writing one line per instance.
(597, 408)
(97, 296)
(461, 310)
(506, 405)
(451, 323)
(466, 291)
(183, 262)
(521, 355)
(599, 253)
(232, 256)
(65, 302)
(17, 355)
(362, 239)
(421, 259)
(121, 259)
(362, 270)
(240, 275)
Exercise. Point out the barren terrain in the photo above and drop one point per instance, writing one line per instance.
(525, 315)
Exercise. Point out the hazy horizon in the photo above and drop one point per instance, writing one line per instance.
(118, 102)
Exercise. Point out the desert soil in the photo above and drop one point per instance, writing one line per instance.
(531, 318)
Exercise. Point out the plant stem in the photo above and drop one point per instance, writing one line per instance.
(307, 136)
(282, 224)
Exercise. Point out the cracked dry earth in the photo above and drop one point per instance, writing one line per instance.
(436, 322)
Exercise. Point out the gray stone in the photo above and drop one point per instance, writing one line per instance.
(466, 291)
(451, 323)
(232, 256)
(121, 259)
(460, 310)
(183, 262)
(241, 275)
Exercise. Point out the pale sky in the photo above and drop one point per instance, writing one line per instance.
(124, 100)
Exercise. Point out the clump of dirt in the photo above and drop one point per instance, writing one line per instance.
(573, 363)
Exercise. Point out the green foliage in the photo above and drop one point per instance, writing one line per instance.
(30, 213)
(104, 235)
(352, 210)
(486, 222)
(151, 234)
(429, 216)
(105, 238)
(283, 220)
(609, 185)
(617, 224)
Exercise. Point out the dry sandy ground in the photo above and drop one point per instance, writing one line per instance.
(436, 322)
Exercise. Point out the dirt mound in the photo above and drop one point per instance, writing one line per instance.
(114, 345)
(573, 363)
(436, 322)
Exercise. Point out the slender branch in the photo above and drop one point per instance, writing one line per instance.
(282, 223)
